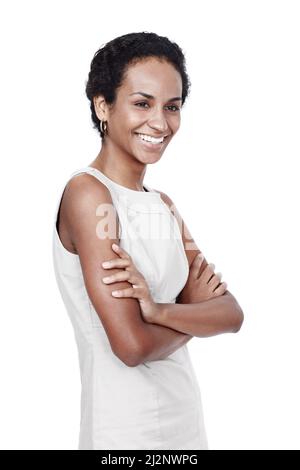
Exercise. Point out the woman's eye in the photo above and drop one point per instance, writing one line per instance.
(175, 108)
(137, 104)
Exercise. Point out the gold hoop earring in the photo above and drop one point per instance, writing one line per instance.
(103, 127)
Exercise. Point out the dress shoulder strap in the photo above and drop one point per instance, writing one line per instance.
(91, 171)
(97, 174)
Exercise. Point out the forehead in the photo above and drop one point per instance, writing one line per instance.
(153, 76)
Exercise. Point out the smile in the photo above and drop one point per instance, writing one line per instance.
(149, 142)
(149, 138)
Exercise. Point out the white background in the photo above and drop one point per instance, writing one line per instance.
(231, 170)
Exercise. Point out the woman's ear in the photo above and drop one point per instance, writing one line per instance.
(100, 107)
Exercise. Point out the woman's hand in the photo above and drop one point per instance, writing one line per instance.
(139, 289)
(201, 287)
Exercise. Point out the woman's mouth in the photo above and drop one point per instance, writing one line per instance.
(150, 143)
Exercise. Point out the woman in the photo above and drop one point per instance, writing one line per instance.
(139, 389)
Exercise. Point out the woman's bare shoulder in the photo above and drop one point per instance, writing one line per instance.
(81, 192)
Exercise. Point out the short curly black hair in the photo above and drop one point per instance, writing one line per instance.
(111, 61)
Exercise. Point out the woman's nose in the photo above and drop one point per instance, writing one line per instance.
(158, 121)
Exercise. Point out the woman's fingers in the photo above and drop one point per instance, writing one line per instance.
(121, 252)
(215, 280)
(207, 273)
(136, 292)
(123, 261)
(195, 266)
(221, 289)
(116, 263)
(139, 287)
(121, 276)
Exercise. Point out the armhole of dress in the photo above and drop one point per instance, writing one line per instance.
(150, 190)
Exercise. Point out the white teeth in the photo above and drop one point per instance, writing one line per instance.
(151, 139)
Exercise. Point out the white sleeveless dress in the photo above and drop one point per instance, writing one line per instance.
(157, 404)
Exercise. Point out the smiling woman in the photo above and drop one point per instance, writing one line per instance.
(139, 388)
(141, 129)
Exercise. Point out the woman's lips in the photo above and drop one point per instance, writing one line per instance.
(149, 145)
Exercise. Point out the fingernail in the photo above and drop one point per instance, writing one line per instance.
(106, 264)
(115, 292)
(105, 279)
(200, 255)
(115, 246)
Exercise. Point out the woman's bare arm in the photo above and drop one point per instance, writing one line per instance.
(214, 316)
(211, 317)
(129, 335)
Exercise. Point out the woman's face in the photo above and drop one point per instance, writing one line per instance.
(134, 114)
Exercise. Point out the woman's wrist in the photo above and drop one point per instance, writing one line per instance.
(158, 314)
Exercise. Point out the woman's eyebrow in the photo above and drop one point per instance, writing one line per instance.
(146, 95)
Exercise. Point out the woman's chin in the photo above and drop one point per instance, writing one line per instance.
(148, 158)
